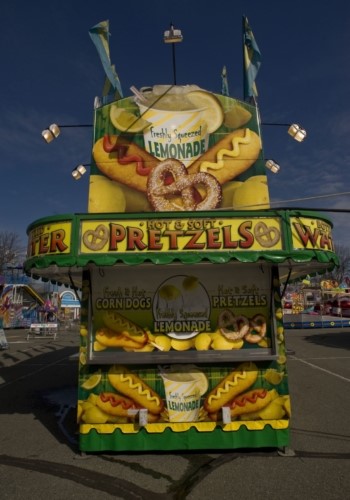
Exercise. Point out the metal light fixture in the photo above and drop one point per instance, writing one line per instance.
(297, 132)
(54, 130)
(294, 130)
(51, 133)
(78, 172)
(273, 166)
(172, 35)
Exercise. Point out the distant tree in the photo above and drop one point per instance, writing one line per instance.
(339, 273)
(11, 250)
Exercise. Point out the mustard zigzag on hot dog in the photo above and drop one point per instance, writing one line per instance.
(233, 384)
(129, 384)
(111, 338)
(231, 156)
(115, 321)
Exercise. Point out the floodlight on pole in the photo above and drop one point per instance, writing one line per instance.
(173, 36)
(294, 130)
(54, 130)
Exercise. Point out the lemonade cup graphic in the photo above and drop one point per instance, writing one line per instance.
(181, 120)
(183, 390)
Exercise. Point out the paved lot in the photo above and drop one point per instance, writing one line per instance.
(39, 457)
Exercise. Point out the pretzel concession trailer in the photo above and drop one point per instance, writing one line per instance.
(182, 263)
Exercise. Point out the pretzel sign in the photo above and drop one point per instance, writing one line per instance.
(267, 236)
(171, 188)
(96, 239)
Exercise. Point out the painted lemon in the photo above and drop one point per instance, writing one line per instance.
(79, 411)
(264, 343)
(236, 116)
(94, 415)
(273, 411)
(105, 195)
(253, 194)
(190, 283)
(82, 357)
(213, 113)
(99, 347)
(83, 331)
(202, 342)
(282, 360)
(287, 406)
(181, 345)
(220, 343)
(85, 405)
(135, 200)
(227, 193)
(127, 122)
(92, 381)
(163, 342)
(92, 398)
(201, 381)
(279, 313)
(169, 292)
(273, 376)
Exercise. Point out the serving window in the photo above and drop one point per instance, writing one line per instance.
(179, 313)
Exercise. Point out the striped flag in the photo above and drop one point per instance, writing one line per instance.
(100, 36)
(224, 82)
(251, 60)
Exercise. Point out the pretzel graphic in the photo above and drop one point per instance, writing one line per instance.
(171, 188)
(267, 236)
(95, 239)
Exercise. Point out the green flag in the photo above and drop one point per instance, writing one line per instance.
(100, 36)
(252, 61)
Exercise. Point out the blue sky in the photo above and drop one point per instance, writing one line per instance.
(51, 72)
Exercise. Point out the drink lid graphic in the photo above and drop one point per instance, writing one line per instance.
(181, 119)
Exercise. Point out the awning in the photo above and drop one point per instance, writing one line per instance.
(299, 242)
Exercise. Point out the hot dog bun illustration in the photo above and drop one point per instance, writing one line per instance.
(119, 323)
(249, 402)
(230, 157)
(111, 338)
(123, 161)
(116, 407)
(114, 404)
(231, 386)
(130, 385)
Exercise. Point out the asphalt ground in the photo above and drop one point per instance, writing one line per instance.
(39, 456)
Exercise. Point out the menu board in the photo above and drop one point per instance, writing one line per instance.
(182, 312)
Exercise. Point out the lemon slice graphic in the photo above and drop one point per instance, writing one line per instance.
(125, 121)
(82, 357)
(201, 381)
(273, 376)
(213, 112)
(92, 381)
(236, 117)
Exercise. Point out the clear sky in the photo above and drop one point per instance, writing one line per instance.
(51, 72)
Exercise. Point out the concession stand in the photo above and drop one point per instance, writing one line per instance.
(181, 264)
